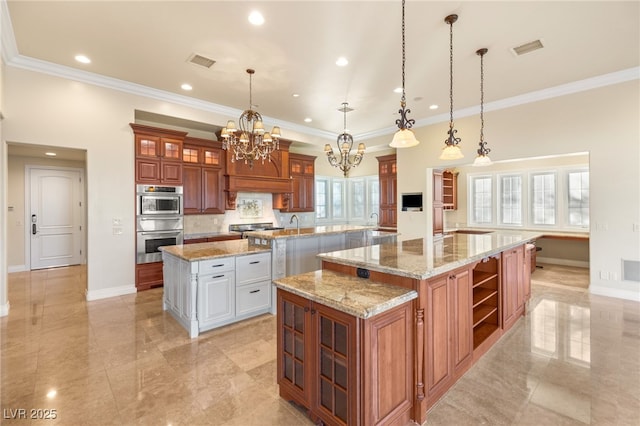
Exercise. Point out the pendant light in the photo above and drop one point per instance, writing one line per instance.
(483, 152)
(404, 138)
(346, 161)
(451, 151)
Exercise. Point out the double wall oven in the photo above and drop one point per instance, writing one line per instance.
(159, 220)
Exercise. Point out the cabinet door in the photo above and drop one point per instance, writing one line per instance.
(171, 149)
(147, 146)
(192, 184)
(336, 381)
(212, 192)
(462, 300)
(438, 205)
(294, 348)
(171, 172)
(216, 299)
(438, 335)
(147, 170)
(512, 285)
(297, 197)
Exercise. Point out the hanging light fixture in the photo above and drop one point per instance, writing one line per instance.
(250, 142)
(346, 161)
(451, 151)
(404, 138)
(483, 152)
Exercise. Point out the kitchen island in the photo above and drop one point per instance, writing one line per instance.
(207, 285)
(472, 288)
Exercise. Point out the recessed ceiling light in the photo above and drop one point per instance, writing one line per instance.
(434, 106)
(308, 120)
(296, 95)
(397, 90)
(256, 18)
(52, 393)
(83, 59)
(342, 61)
(50, 154)
(186, 86)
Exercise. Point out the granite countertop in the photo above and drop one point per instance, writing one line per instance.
(424, 258)
(543, 233)
(203, 251)
(210, 234)
(355, 296)
(307, 231)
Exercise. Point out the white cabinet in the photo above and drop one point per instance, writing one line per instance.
(216, 299)
(206, 294)
(253, 279)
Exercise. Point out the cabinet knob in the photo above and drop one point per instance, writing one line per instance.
(306, 309)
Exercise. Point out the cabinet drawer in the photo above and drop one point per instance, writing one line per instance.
(253, 297)
(252, 268)
(213, 266)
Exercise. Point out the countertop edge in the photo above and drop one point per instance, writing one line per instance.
(253, 250)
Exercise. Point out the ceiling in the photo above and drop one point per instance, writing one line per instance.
(150, 42)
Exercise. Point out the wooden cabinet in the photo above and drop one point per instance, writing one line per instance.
(302, 173)
(158, 155)
(213, 239)
(513, 287)
(148, 275)
(203, 176)
(343, 369)
(450, 190)
(449, 334)
(387, 175)
(486, 300)
(438, 203)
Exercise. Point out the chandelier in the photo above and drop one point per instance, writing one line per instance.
(250, 142)
(483, 152)
(345, 161)
(451, 151)
(404, 138)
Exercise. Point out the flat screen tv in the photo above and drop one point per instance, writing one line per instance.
(412, 202)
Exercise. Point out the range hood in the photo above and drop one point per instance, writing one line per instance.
(268, 177)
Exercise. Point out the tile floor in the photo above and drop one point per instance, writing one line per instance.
(573, 360)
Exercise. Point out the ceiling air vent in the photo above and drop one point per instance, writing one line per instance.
(201, 60)
(527, 47)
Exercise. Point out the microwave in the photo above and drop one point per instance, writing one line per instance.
(159, 200)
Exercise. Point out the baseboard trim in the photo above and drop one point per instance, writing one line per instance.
(564, 262)
(16, 268)
(4, 310)
(614, 292)
(110, 292)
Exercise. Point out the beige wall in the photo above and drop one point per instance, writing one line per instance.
(602, 122)
(16, 204)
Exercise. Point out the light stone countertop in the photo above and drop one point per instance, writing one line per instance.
(210, 234)
(307, 231)
(203, 251)
(359, 297)
(425, 258)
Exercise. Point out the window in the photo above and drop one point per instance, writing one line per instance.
(511, 200)
(481, 202)
(543, 205)
(340, 200)
(578, 200)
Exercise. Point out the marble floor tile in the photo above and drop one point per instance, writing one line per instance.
(574, 359)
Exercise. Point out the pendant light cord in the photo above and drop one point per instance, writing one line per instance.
(482, 98)
(451, 74)
(403, 56)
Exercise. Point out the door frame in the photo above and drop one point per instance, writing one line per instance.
(27, 210)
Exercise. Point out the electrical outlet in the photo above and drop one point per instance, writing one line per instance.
(116, 221)
(613, 276)
(117, 230)
(604, 275)
(215, 221)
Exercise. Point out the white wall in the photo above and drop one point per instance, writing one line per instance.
(602, 121)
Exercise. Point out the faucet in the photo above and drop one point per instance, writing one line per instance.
(297, 221)
(377, 217)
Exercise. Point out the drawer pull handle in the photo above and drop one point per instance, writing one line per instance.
(254, 262)
(254, 291)
(218, 265)
(218, 276)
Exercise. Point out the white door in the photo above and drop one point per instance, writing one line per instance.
(55, 222)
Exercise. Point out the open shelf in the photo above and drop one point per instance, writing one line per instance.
(481, 277)
(481, 295)
(482, 332)
(482, 312)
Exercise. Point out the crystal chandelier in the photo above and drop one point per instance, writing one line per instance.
(404, 138)
(483, 152)
(250, 142)
(345, 161)
(451, 151)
